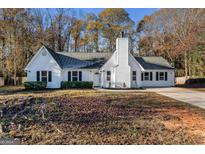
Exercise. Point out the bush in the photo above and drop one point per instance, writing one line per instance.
(80, 84)
(35, 85)
(196, 81)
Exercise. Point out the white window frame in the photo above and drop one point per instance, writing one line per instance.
(75, 76)
(161, 78)
(148, 77)
(44, 76)
(134, 76)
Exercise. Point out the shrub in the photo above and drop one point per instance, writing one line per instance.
(35, 85)
(80, 84)
(196, 81)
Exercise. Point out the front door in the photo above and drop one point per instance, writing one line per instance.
(96, 79)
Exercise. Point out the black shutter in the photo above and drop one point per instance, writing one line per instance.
(69, 76)
(142, 76)
(150, 76)
(80, 76)
(49, 76)
(165, 76)
(157, 77)
(38, 76)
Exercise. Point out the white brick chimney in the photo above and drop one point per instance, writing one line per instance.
(122, 48)
(123, 76)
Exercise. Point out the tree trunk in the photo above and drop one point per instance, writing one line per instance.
(15, 70)
(97, 41)
(68, 42)
(189, 66)
(185, 65)
(75, 48)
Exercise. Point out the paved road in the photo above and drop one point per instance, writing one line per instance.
(181, 94)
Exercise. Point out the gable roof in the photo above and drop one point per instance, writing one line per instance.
(153, 62)
(97, 58)
(68, 62)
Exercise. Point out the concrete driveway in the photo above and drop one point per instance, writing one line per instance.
(181, 94)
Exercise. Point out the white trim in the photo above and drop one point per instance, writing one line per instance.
(133, 58)
(144, 77)
(44, 76)
(36, 55)
(108, 61)
(71, 77)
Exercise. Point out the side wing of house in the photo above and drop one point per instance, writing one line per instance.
(155, 72)
(142, 77)
(43, 67)
(158, 78)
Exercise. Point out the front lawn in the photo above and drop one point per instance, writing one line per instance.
(93, 117)
(10, 89)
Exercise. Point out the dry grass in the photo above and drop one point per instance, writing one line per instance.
(93, 117)
(10, 89)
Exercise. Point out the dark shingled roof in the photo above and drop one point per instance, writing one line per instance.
(68, 62)
(153, 63)
(97, 60)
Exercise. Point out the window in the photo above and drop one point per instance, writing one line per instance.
(38, 76)
(49, 76)
(161, 76)
(146, 76)
(108, 75)
(74, 76)
(44, 76)
(134, 77)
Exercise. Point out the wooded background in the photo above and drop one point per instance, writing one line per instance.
(178, 35)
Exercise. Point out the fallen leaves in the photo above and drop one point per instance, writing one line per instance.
(92, 117)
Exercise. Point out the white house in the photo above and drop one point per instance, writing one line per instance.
(120, 69)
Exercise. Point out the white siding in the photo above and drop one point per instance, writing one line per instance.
(135, 67)
(109, 66)
(119, 67)
(170, 79)
(87, 75)
(45, 63)
(121, 64)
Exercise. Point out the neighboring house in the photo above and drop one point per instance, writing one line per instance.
(120, 69)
